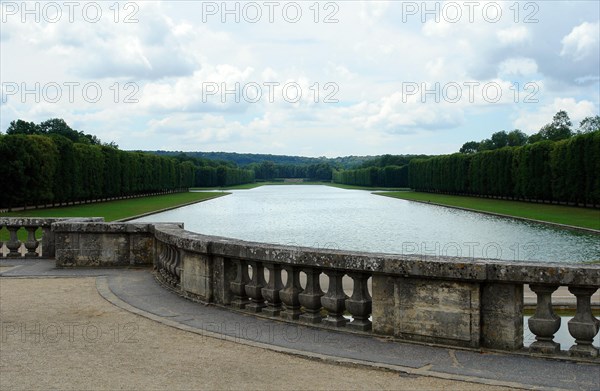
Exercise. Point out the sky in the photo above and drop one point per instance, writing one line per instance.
(327, 78)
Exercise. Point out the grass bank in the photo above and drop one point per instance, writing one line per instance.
(559, 214)
(120, 209)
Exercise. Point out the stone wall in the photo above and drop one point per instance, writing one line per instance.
(103, 244)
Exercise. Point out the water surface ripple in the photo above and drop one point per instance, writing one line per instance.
(328, 217)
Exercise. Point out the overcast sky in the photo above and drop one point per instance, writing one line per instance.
(302, 78)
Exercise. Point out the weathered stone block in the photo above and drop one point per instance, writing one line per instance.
(100, 244)
(502, 316)
(223, 273)
(383, 304)
(444, 312)
(196, 275)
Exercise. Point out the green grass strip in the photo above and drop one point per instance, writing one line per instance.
(120, 209)
(560, 214)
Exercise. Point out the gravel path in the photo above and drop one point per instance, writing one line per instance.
(59, 333)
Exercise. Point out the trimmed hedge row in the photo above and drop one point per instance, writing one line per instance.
(38, 169)
(562, 171)
(389, 176)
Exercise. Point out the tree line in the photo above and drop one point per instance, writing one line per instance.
(386, 171)
(557, 171)
(269, 170)
(388, 176)
(45, 166)
(561, 128)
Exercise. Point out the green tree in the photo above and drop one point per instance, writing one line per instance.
(516, 138)
(22, 127)
(589, 124)
(499, 140)
(470, 147)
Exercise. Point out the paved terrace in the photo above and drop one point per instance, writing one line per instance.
(166, 341)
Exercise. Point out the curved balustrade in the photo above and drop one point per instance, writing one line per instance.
(442, 300)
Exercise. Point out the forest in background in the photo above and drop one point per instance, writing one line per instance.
(51, 163)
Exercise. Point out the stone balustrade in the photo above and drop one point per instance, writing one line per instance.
(447, 301)
(33, 246)
(450, 301)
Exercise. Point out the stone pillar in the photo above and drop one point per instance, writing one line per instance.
(384, 304)
(289, 294)
(254, 287)
(271, 291)
(48, 244)
(545, 323)
(334, 300)
(238, 286)
(14, 244)
(584, 326)
(31, 244)
(310, 298)
(502, 316)
(223, 274)
(360, 304)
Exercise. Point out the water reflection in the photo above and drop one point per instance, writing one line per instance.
(328, 217)
(562, 336)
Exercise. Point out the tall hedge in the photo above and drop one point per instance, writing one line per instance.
(388, 176)
(40, 169)
(562, 171)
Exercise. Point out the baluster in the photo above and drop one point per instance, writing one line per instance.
(168, 260)
(271, 291)
(172, 263)
(254, 287)
(31, 244)
(177, 267)
(359, 305)
(334, 300)
(14, 244)
(545, 323)
(310, 298)
(584, 326)
(238, 286)
(160, 251)
(289, 294)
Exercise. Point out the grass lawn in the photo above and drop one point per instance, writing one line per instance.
(111, 210)
(579, 217)
(116, 210)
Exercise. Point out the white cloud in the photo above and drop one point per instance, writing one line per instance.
(513, 35)
(517, 67)
(532, 121)
(582, 42)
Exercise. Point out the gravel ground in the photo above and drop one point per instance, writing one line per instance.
(59, 333)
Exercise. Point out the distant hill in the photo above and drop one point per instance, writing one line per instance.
(244, 159)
